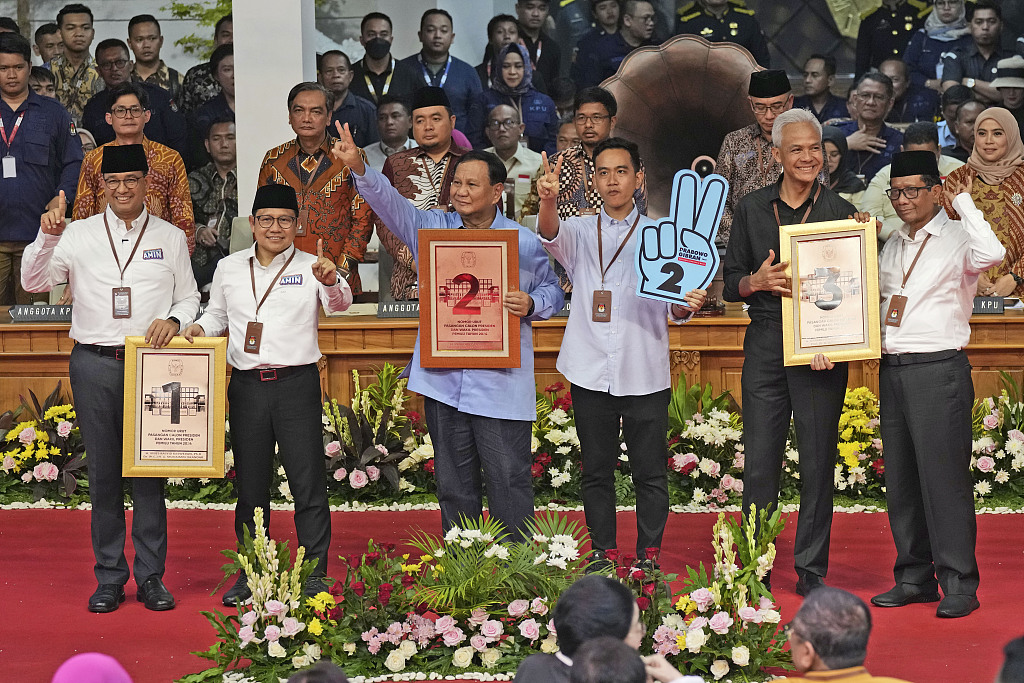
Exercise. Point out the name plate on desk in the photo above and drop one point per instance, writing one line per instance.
(27, 313)
(564, 313)
(398, 309)
(988, 304)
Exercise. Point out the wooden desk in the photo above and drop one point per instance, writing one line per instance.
(35, 355)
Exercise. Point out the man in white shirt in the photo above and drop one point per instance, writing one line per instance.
(616, 358)
(268, 301)
(504, 130)
(130, 274)
(394, 122)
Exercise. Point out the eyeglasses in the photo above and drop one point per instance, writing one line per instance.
(908, 192)
(286, 222)
(596, 119)
(643, 18)
(116, 64)
(114, 183)
(872, 97)
(777, 107)
(123, 112)
(506, 123)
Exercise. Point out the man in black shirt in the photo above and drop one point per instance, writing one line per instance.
(378, 73)
(975, 66)
(886, 32)
(545, 54)
(772, 391)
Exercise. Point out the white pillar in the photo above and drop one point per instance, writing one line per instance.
(274, 51)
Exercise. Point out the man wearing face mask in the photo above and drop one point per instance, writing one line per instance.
(378, 73)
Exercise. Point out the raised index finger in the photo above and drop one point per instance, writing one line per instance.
(320, 248)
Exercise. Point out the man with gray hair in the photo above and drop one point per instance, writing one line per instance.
(771, 391)
(828, 638)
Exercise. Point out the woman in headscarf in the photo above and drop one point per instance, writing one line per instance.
(513, 85)
(994, 177)
(842, 180)
(944, 30)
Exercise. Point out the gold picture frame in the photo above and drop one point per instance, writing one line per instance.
(834, 308)
(174, 401)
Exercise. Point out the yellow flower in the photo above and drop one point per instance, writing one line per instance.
(315, 627)
(322, 601)
(411, 568)
(405, 556)
(848, 452)
(426, 558)
(685, 604)
(681, 642)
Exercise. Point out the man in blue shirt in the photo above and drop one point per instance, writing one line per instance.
(41, 155)
(477, 418)
(435, 65)
(600, 59)
(872, 143)
(335, 73)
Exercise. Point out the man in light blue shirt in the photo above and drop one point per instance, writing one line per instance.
(615, 357)
(477, 418)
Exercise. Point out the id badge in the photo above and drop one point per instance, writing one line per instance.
(10, 167)
(122, 302)
(602, 312)
(253, 336)
(590, 211)
(300, 229)
(894, 316)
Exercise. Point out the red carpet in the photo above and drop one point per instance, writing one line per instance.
(47, 579)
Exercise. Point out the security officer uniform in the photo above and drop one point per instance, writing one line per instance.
(885, 33)
(737, 25)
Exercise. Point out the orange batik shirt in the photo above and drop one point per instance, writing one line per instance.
(329, 206)
(168, 195)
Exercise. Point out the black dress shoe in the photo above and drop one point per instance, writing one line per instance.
(314, 585)
(239, 594)
(154, 595)
(902, 595)
(808, 582)
(599, 563)
(106, 598)
(953, 606)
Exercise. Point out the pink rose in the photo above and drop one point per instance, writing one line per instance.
(478, 616)
(715, 469)
(491, 629)
(518, 608)
(1015, 435)
(249, 618)
(445, 623)
(372, 472)
(50, 471)
(63, 429)
(990, 421)
(291, 626)
(765, 603)
(539, 606)
(986, 463)
(720, 623)
(453, 637)
(332, 449)
(551, 627)
(275, 608)
(747, 613)
(381, 449)
(8, 463)
(27, 435)
(340, 474)
(246, 635)
(272, 633)
(530, 629)
(358, 479)
(27, 477)
(728, 481)
(877, 444)
(737, 485)
(739, 460)
(478, 642)
(698, 622)
(703, 598)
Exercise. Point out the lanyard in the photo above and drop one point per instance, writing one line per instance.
(3, 134)
(252, 277)
(903, 251)
(134, 249)
(540, 48)
(430, 176)
(387, 83)
(775, 208)
(426, 72)
(600, 247)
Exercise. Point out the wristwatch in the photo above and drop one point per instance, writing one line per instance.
(343, 267)
(1017, 278)
(970, 82)
(175, 320)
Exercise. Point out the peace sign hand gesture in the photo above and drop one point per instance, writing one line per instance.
(679, 255)
(324, 270)
(346, 150)
(547, 184)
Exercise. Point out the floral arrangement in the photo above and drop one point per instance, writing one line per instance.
(725, 623)
(998, 442)
(557, 458)
(44, 448)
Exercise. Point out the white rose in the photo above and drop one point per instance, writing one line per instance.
(349, 648)
(300, 661)
(312, 650)
(695, 639)
(463, 657)
(395, 661)
(741, 655)
(719, 668)
(275, 649)
(771, 617)
(549, 645)
(407, 648)
(490, 656)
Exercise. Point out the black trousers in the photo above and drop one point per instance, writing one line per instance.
(286, 412)
(644, 421)
(98, 384)
(926, 435)
(771, 393)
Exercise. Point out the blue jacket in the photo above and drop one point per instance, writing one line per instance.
(48, 158)
(539, 115)
(924, 54)
(461, 83)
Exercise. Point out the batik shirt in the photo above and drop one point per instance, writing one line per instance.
(214, 202)
(164, 77)
(198, 88)
(75, 86)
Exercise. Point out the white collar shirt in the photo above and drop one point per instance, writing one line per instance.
(940, 290)
(159, 275)
(521, 168)
(290, 315)
(627, 356)
(378, 152)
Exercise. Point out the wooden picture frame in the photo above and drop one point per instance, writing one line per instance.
(834, 308)
(464, 275)
(174, 401)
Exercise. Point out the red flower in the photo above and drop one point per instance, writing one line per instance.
(408, 580)
(334, 613)
(649, 588)
(637, 574)
(652, 553)
(359, 588)
(354, 561)
(429, 466)
(230, 474)
(554, 388)
(564, 403)
(643, 603)
(628, 560)
(388, 547)
(612, 555)
(336, 590)
(384, 592)
(537, 470)
(879, 467)
(372, 557)
(412, 416)
(622, 572)
(687, 468)
(543, 459)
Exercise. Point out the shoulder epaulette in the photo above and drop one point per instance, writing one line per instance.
(919, 4)
(744, 10)
(686, 10)
(689, 17)
(867, 13)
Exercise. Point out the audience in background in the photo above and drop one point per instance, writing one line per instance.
(221, 105)
(48, 43)
(335, 74)
(819, 78)
(378, 73)
(871, 142)
(9, 25)
(394, 123)
(214, 191)
(720, 21)
(40, 79)
(502, 30)
(966, 114)
(600, 59)
(945, 29)
(74, 70)
(884, 33)
(504, 128)
(842, 180)
(200, 86)
(605, 14)
(545, 52)
(951, 101)
(910, 102)
(567, 135)
(974, 65)
(1010, 84)
(146, 41)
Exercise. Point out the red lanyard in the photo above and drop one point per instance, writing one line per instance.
(17, 124)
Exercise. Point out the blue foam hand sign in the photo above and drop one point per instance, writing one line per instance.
(678, 254)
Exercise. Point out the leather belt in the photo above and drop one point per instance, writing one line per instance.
(914, 358)
(115, 352)
(270, 374)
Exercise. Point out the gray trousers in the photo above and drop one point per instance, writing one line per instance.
(98, 385)
(926, 436)
(464, 445)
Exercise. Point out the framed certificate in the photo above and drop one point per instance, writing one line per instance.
(464, 275)
(834, 309)
(174, 408)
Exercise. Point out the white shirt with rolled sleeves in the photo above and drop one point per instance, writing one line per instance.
(941, 288)
(160, 275)
(290, 315)
(627, 356)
